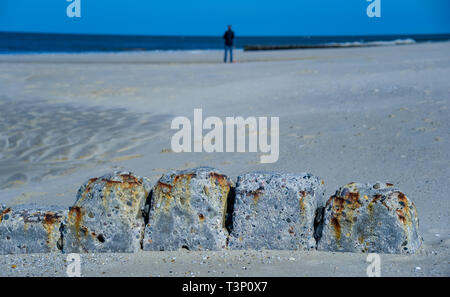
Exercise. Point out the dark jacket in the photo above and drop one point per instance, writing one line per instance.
(228, 36)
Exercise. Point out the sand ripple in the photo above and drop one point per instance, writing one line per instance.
(39, 140)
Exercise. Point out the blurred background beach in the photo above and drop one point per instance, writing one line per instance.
(11, 43)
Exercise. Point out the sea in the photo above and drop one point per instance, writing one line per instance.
(17, 43)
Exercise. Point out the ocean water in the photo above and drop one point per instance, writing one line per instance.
(11, 43)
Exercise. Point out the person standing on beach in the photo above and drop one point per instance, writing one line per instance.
(228, 36)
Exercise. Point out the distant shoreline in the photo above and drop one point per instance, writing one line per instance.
(327, 46)
(12, 43)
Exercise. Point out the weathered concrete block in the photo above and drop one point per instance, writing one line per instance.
(188, 211)
(275, 211)
(107, 215)
(26, 229)
(370, 218)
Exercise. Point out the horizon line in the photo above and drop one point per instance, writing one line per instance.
(219, 35)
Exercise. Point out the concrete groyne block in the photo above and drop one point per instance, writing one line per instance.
(107, 215)
(26, 229)
(188, 210)
(275, 211)
(374, 218)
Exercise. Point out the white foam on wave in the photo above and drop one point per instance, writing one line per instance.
(373, 43)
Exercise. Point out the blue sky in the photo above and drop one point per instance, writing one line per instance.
(209, 17)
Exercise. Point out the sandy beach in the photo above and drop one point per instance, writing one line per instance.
(356, 114)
